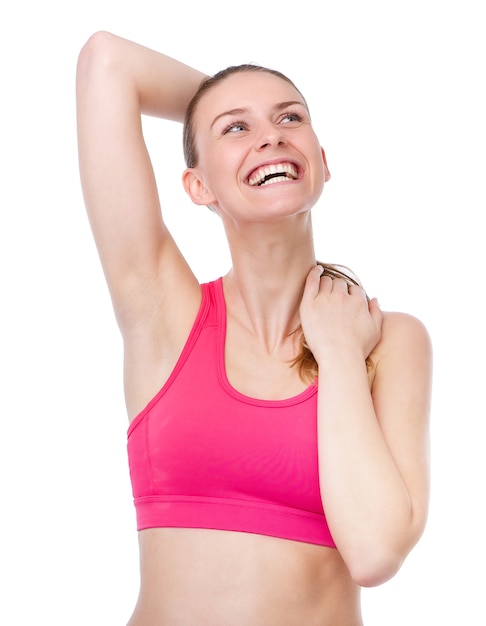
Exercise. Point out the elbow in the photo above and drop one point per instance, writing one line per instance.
(98, 40)
(375, 570)
(96, 50)
(372, 563)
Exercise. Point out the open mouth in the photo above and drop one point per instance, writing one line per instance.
(274, 173)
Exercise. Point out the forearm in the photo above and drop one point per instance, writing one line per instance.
(161, 85)
(366, 501)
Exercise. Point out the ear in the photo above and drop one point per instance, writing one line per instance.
(326, 169)
(196, 188)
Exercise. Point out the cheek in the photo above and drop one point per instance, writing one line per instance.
(220, 166)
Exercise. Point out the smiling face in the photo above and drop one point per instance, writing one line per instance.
(258, 156)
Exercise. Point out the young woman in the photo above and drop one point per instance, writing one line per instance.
(278, 437)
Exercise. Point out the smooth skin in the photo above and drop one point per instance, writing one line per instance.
(372, 424)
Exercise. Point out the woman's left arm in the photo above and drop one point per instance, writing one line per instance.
(373, 437)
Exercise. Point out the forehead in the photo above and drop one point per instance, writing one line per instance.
(246, 90)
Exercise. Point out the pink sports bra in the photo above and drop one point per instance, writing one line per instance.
(203, 455)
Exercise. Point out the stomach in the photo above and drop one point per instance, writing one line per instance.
(197, 577)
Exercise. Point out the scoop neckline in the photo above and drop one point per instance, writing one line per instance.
(302, 396)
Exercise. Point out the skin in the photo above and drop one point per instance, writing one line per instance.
(373, 442)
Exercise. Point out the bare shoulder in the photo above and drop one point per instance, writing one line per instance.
(404, 352)
(402, 364)
(402, 333)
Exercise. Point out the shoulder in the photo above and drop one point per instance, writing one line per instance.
(405, 348)
(402, 330)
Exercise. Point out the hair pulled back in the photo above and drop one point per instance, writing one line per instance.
(305, 361)
(189, 131)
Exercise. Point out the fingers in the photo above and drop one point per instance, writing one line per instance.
(317, 282)
(339, 285)
(375, 312)
(312, 282)
(357, 290)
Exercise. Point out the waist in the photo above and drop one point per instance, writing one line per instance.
(192, 575)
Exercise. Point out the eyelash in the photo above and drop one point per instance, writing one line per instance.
(297, 118)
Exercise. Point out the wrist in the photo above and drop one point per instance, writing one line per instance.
(333, 357)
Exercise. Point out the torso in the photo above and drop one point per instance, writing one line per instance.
(196, 577)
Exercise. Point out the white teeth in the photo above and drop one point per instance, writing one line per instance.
(285, 169)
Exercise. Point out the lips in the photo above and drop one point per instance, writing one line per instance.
(273, 173)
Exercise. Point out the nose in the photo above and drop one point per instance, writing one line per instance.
(270, 136)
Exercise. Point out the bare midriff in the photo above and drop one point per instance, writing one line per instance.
(192, 577)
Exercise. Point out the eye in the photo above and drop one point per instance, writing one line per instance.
(234, 127)
(291, 116)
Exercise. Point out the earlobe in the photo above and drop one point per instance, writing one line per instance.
(196, 188)
(326, 169)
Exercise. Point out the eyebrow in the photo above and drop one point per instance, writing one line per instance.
(239, 111)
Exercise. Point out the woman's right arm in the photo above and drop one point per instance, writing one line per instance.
(117, 81)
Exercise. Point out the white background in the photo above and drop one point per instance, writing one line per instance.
(395, 89)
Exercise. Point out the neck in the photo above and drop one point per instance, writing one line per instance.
(263, 290)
